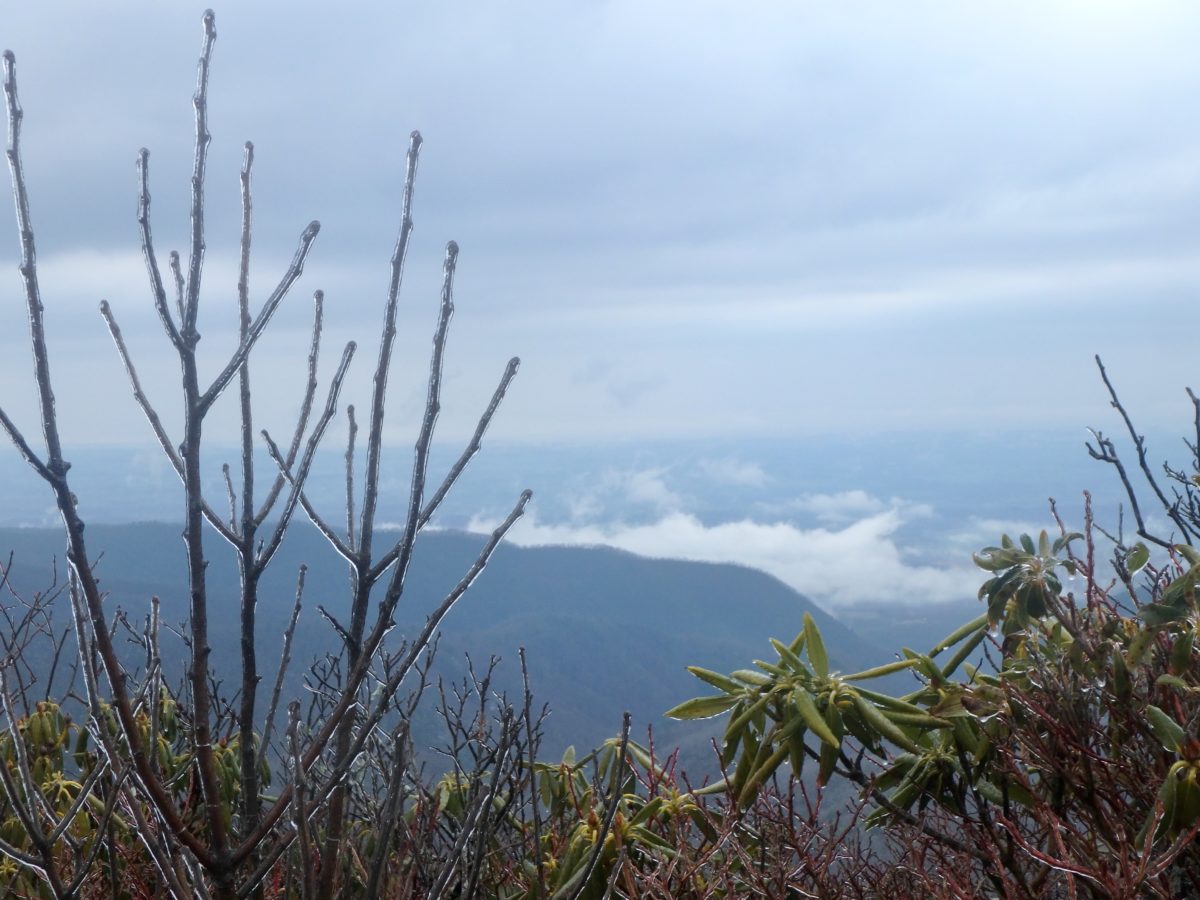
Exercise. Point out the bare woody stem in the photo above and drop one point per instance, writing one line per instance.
(56, 468)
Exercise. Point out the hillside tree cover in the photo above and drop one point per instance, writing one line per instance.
(1049, 747)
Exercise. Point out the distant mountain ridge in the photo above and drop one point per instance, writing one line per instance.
(604, 630)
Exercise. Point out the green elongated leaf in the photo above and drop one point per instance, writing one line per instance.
(958, 634)
(1181, 592)
(717, 680)
(923, 663)
(793, 724)
(1043, 543)
(1137, 558)
(1157, 614)
(886, 728)
(702, 707)
(797, 645)
(1180, 659)
(796, 753)
(650, 839)
(816, 647)
(1174, 681)
(1166, 729)
(967, 648)
(717, 787)
(826, 764)
(899, 770)
(1139, 646)
(648, 811)
(749, 676)
(743, 718)
(890, 702)
(641, 756)
(813, 719)
(879, 671)
(920, 719)
(772, 669)
(759, 776)
(1191, 554)
(1027, 545)
(1061, 541)
(790, 659)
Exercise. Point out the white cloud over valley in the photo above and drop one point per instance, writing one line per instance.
(862, 560)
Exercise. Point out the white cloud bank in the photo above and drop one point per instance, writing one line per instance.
(834, 566)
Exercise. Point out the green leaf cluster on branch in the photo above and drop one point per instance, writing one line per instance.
(1059, 734)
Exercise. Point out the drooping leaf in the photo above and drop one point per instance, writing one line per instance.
(813, 719)
(717, 680)
(879, 671)
(1137, 558)
(702, 707)
(1166, 729)
(886, 728)
(816, 647)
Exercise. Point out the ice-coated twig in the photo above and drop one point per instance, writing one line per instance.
(310, 393)
(391, 808)
(422, 641)
(152, 270)
(256, 329)
(379, 389)
(1139, 443)
(352, 433)
(301, 474)
(459, 466)
(27, 452)
(177, 275)
(357, 675)
(300, 790)
(285, 659)
(56, 466)
(191, 302)
(424, 438)
(152, 417)
(232, 497)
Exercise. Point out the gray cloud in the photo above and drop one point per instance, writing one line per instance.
(763, 218)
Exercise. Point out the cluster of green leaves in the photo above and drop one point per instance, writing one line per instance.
(1074, 692)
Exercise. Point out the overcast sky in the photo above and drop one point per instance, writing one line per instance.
(688, 218)
(692, 220)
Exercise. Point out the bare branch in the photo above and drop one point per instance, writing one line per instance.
(375, 425)
(177, 273)
(301, 475)
(457, 469)
(152, 270)
(29, 275)
(357, 675)
(191, 303)
(264, 317)
(156, 425)
(1139, 443)
(310, 392)
(27, 452)
(352, 428)
(284, 660)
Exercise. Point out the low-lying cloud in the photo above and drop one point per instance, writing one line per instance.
(834, 565)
